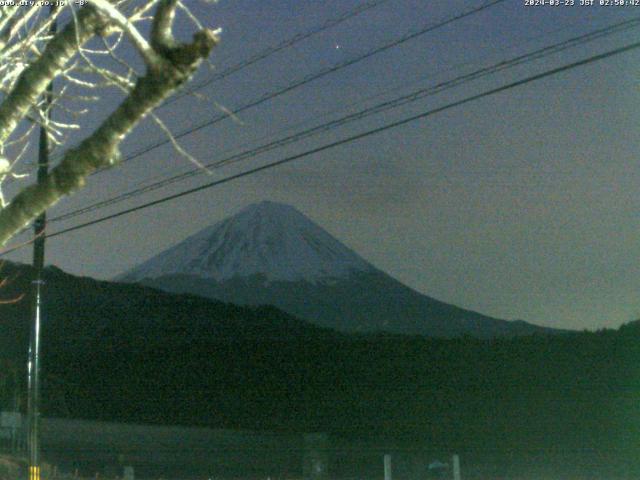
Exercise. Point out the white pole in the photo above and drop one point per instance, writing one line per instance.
(387, 467)
(456, 467)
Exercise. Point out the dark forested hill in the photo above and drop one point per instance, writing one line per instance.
(129, 353)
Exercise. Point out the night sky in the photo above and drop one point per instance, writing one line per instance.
(521, 205)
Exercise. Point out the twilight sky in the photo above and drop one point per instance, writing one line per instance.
(519, 205)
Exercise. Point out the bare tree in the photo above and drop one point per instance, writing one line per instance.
(83, 55)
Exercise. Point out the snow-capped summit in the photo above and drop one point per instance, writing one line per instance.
(268, 238)
(271, 254)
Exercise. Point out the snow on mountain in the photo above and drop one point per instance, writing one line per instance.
(267, 238)
(271, 254)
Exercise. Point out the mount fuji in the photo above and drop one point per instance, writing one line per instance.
(269, 239)
(271, 254)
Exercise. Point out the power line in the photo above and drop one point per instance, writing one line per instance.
(407, 37)
(267, 52)
(384, 106)
(380, 93)
(368, 133)
(310, 78)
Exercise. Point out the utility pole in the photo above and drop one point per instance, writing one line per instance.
(456, 467)
(33, 399)
(33, 366)
(388, 475)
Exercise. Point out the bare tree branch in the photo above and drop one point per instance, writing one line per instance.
(176, 65)
(34, 79)
(150, 57)
(161, 29)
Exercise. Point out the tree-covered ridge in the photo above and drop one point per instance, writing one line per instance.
(129, 353)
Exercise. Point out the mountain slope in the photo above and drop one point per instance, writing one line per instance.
(365, 302)
(268, 238)
(81, 312)
(270, 253)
